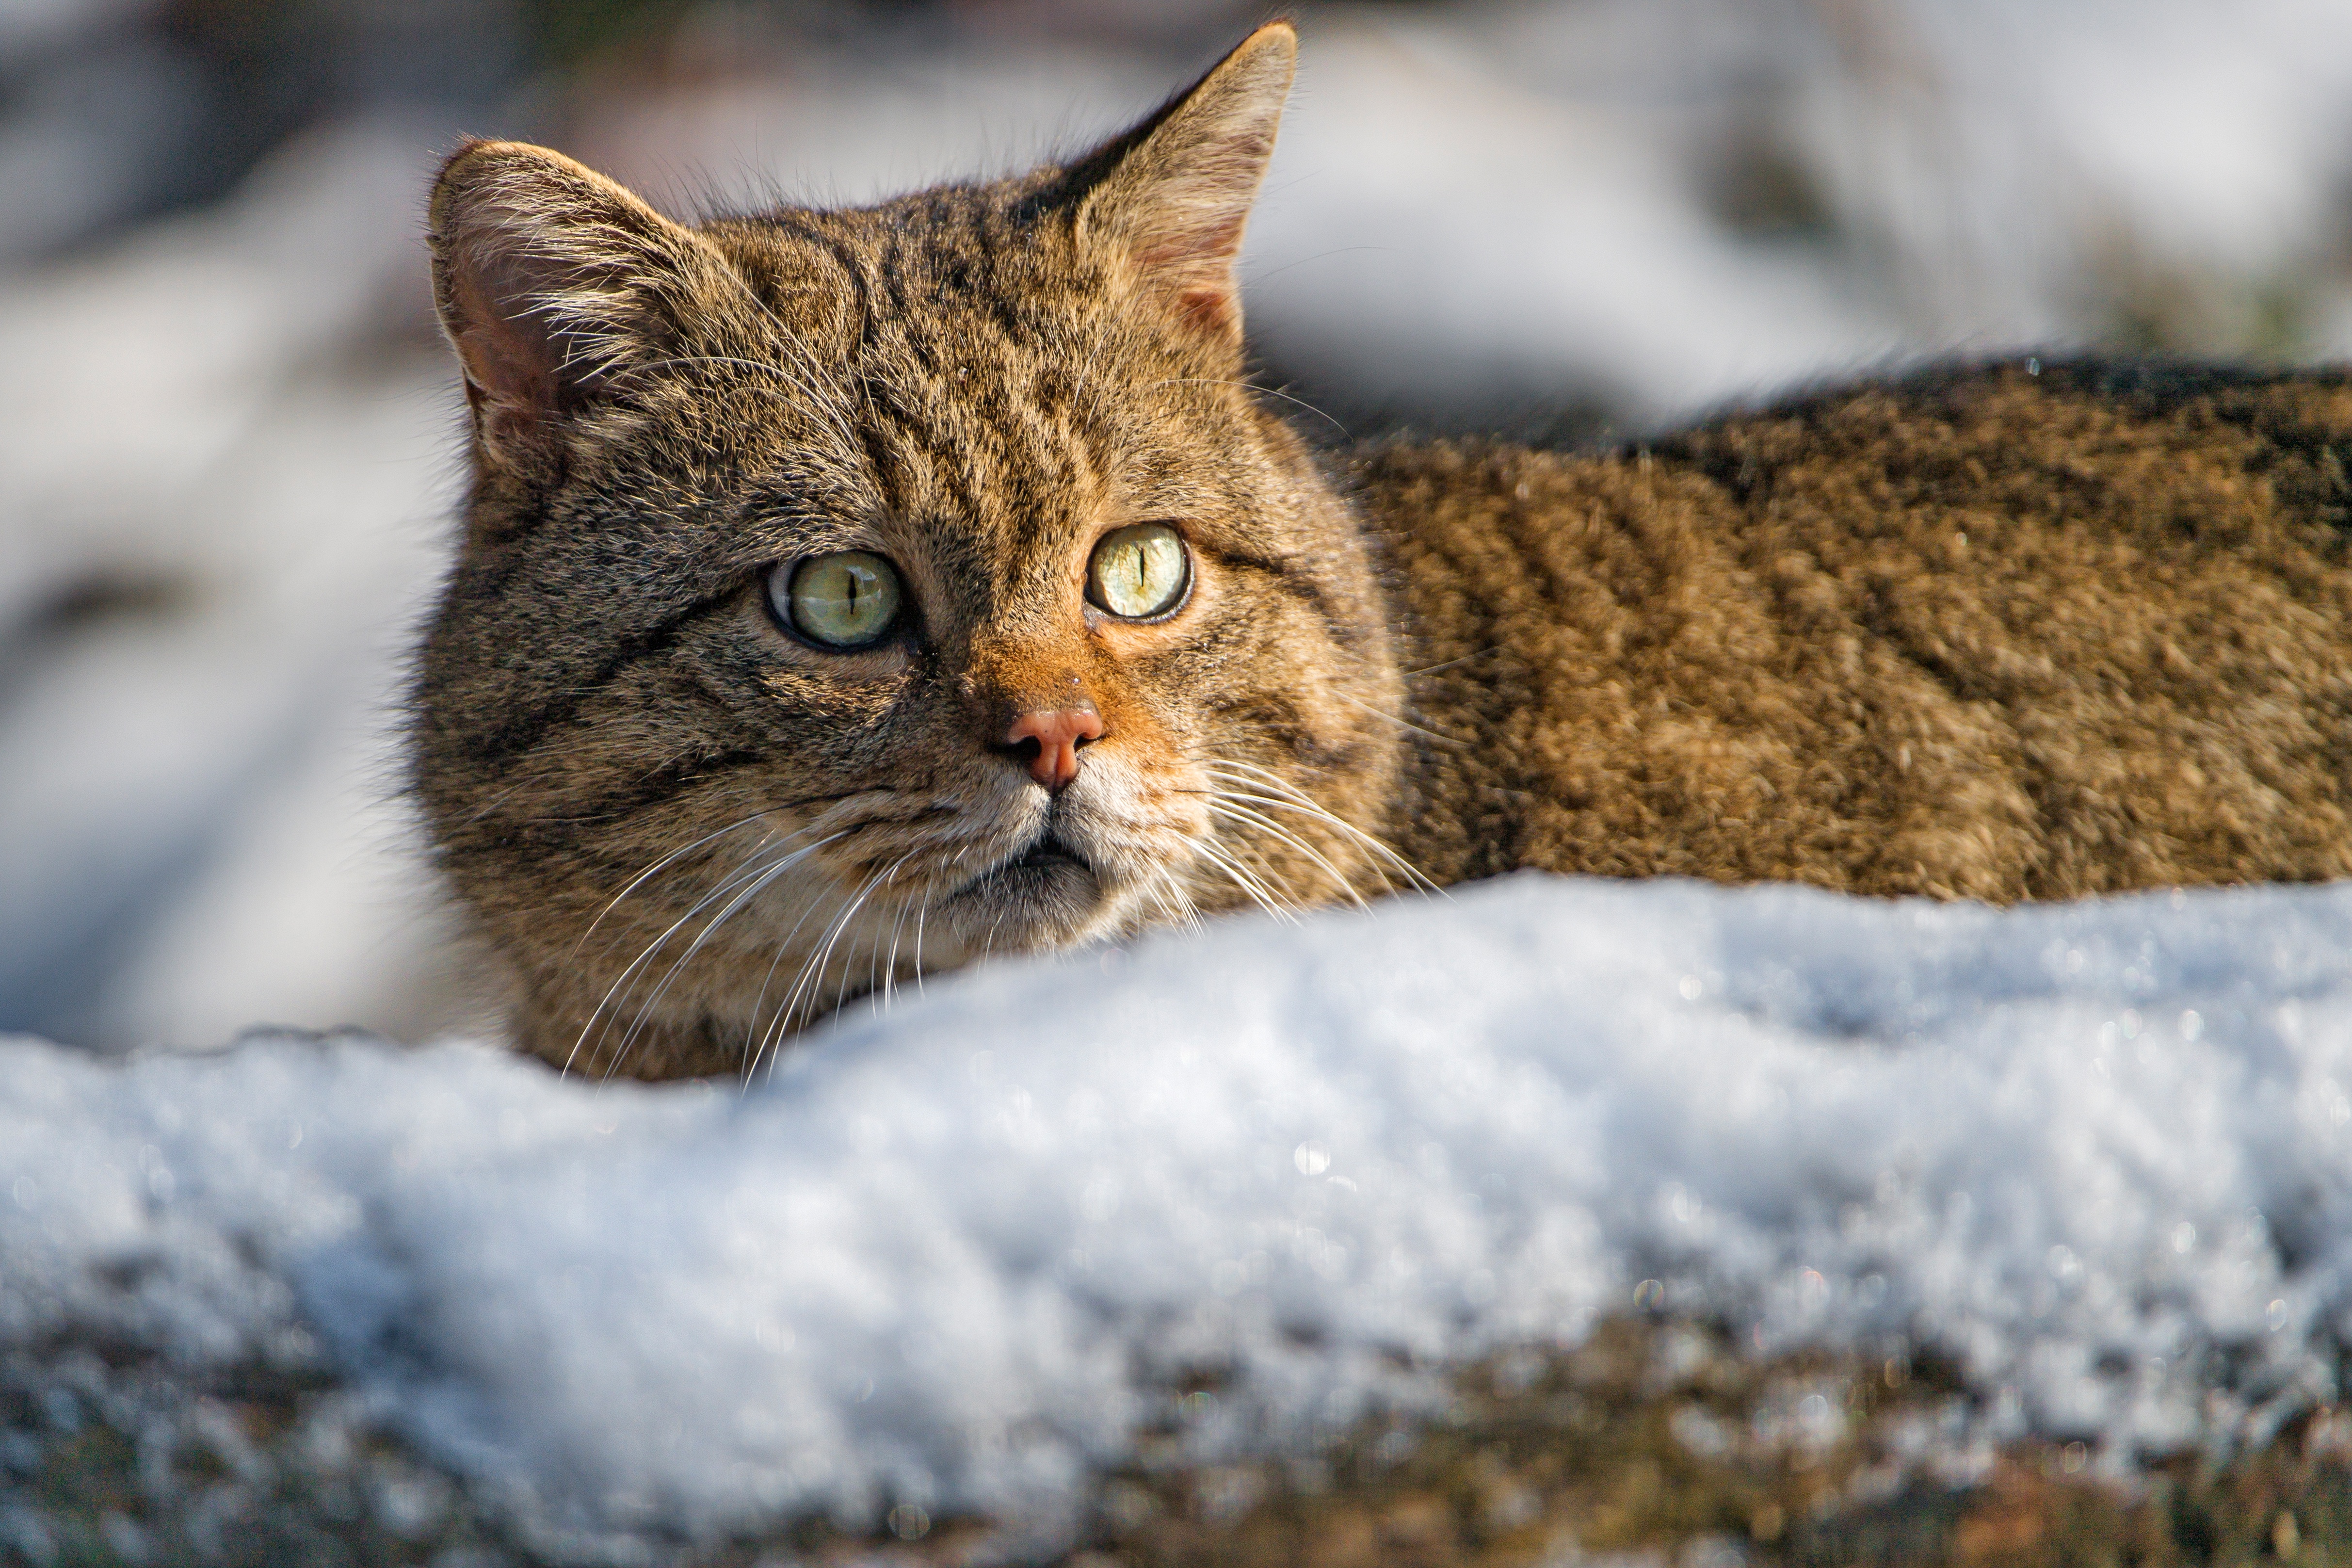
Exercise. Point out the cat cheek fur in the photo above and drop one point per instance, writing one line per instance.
(691, 834)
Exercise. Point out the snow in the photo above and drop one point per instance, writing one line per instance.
(1486, 210)
(956, 1251)
(956, 1254)
(198, 821)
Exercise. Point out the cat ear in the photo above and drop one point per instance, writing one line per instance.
(552, 281)
(1177, 197)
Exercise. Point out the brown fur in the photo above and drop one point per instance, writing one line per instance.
(1989, 634)
(618, 747)
(1996, 634)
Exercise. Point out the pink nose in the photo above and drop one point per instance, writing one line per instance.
(1049, 742)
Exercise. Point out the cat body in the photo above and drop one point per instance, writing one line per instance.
(847, 596)
(2018, 631)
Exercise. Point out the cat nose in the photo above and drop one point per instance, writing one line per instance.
(1049, 742)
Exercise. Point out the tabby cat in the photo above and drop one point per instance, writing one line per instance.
(845, 595)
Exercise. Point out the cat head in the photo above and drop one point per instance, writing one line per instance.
(846, 594)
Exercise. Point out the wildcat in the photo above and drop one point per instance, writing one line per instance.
(848, 594)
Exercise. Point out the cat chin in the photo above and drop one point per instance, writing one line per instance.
(1050, 896)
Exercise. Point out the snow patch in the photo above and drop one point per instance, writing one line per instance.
(953, 1252)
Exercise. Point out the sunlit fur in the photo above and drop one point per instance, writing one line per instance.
(2023, 630)
(690, 832)
(2033, 629)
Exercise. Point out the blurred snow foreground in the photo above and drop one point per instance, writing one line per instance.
(955, 1253)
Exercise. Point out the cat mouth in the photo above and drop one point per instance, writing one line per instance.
(1040, 897)
(1047, 857)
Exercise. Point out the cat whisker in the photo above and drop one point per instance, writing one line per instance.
(1098, 347)
(1257, 277)
(1449, 663)
(1247, 882)
(772, 1035)
(1380, 852)
(755, 1046)
(1253, 386)
(1166, 892)
(1291, 798)
(727, 884)
(1263, 876)
(891, 968)
(810, 972)
(883, 992)
(749, 892)
(922, 912)
(1157, 887)
(881, 988)
(841, 928)
(495, 802)
(812, 978)
(640, 879)
(812, 377)
(749, 878)
(673, 855)
(1223, 805)
(645, 955)
(781, 1025)
(1401, 723)
(755, 1037)
(988, 946)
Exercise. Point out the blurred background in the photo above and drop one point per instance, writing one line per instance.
(229, 438)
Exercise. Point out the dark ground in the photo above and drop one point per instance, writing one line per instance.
(1652, 1444)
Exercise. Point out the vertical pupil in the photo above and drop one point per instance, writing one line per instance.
(1137, 572)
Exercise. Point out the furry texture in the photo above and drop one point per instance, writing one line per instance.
(2002, 633)
(1998, 633)
(689, 829)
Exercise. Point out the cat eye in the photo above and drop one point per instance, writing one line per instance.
(844, 601)
(1139, 571)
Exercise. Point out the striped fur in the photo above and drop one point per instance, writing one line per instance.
(2002, 633)
(689, 832)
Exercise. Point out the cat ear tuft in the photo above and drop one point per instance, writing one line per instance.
(550, 280)
(1176, 200)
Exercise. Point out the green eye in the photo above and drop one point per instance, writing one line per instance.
(842, 600)
(1138, 571)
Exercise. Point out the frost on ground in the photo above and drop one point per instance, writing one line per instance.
(955, 1255)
